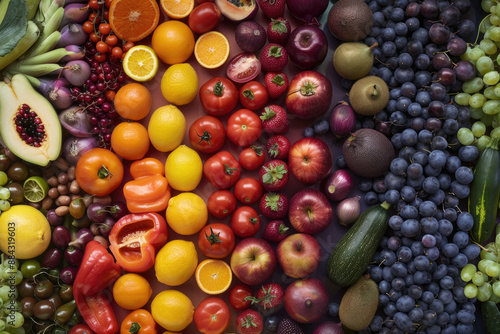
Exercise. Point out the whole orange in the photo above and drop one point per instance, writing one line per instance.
(173, 42)
(133, 101)
(131, 291)
(130, 140)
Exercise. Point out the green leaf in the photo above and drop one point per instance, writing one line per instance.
(14, 24)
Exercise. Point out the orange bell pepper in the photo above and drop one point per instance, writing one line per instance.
(138, 322)
(149, 191)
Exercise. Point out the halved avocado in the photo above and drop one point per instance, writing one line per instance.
(238, 10)
(37, 138)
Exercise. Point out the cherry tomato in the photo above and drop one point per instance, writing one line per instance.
(218, 96)
(248, 190)
(81, 329)
(216, 240)
(212, 316)
(204, 18)
(101, 47)
(237, 297)
(111, 40)
(252, 157)
(245, 222)
(244, 127)
(207, 134)
(243, 67)
(104, 28)
(221, 203)
(222, 170)
(253, 95)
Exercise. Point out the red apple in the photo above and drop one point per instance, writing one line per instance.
(310, 211)
(299, 255)
(306, 300)
(310, 160)
(309, 94)
(253, 261)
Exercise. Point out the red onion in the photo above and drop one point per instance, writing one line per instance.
(72, 33)
(77, 72)
(250, 36)
(56, 91)
(329, 327)
(342, 119)
(349, 210)
(76, 121)
(73, 147)
(75, 13)
(338, 185)
(306, 10)
(78, 53)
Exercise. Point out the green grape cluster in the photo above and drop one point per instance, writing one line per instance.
(483, 280)
(4, 192)
(11, 319)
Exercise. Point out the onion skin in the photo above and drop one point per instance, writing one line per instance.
(306, 10)
(338, 185)
(250, 36)
(77, 72)
(349, 210)
(342, 120)
(72, 34)
(73, 147)
(329, 327)
(76, 121)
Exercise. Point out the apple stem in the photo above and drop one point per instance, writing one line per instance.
(375, 91)
(308, 303)
(374, 45)
(309, 215)
(299, 248)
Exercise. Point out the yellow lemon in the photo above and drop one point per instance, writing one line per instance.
(172, 310)
(183, 168)
(24, 232)
(186, 213)
(140, 63)
(176, 262)
(166, 128)
(179, 84)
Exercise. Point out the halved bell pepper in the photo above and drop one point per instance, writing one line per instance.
(138, 322)
(149, 190)
(135, 238)
(97, 271)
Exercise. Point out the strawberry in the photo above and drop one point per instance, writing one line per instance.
(273, 58)
(278, 31)
(269, 297)
(274, 205)
(289, 326)
(274, 175)
(276, 84)
(249, 322)
(274, 119)
(275, 231)
(273, 8)
(278, 147)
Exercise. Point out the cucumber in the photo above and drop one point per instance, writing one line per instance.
(485, 192)
(491, 317)
(352, 254)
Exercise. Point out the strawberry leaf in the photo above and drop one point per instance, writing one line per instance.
(278, 79)
(279, 27)
(275, 51)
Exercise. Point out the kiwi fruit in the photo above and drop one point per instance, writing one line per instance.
(353, 60)
(350, 20)
(369, 95)
(359, 304)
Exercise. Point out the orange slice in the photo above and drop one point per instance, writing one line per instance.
(213, 276)
(177, 9)
(133, 20)
(211, 49)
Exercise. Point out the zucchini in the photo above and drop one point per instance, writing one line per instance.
(491, 317)
(354, 251)
(485, 192)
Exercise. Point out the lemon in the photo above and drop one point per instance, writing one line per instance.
(176, 262)
(24, 232)
(140, 63)
(179, 84)
(172, 310)
(166, 128)
(187, 213)
(35, 189)
(183, 168)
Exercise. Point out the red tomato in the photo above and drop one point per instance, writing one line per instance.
(222, 170)
(237, 297)
(216, 240)
(218, 96)
(248, 190)
(251, 157)
(253, 95)
(212, 316)
(221, 203)
(243, 67)
(204, 18)
(244, 127)
(207, 134)
(245, 222)
(81, 329)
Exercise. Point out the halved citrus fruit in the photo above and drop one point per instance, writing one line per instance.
(177, 9)
(35, 189)
(133, 20)
(140, 63)
(211, 49)
(213, 276)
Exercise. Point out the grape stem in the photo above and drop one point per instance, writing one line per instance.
(479, 27)
(482, 247)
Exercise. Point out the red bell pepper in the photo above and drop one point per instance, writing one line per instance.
(97, 271)
(135, 238)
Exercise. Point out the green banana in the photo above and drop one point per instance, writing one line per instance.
(52, 56)
(32, 34)
(35, 70)
(49, 28)
(46, 45)
(32, 8)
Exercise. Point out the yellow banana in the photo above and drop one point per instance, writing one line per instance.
(32, 34)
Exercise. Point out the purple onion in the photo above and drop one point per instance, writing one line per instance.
(329, 327)
(338, 185)
(103, 241)
(250, 36)
(349, 210)
(106, 226)
(76, 121)
(53, 218)
(83, 236)
(75, 1)
(74, 147)
(61, 236)
(73, 256)
(56, 91)
(342, 120)
(68, 275)
(72, 33)
(97, 212)
(52, 258)
(78, 53)
(118, 209)
(77, 72)
(75, 13)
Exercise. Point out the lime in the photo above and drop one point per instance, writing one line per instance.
(35, 189)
